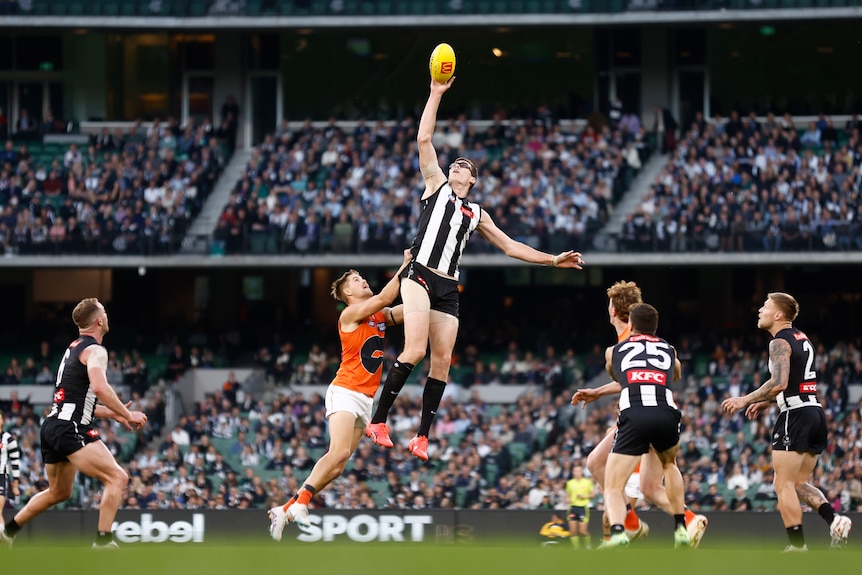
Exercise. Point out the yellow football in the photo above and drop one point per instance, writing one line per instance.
(442, 63)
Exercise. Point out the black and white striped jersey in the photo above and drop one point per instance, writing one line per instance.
(10, 456)
(73, 399)
(445, 225)
(644, 366)
(801, 388)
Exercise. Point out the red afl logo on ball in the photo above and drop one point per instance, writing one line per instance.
(446, 67)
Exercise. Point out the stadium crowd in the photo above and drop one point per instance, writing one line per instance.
(738, 184)
(238, 451)
(310, 190)
(731, 184)
(126, 192)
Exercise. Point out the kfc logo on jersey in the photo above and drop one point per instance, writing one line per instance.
(638, 376)
(799, 336)
(467, 211)
(59, 396)
(810, 387)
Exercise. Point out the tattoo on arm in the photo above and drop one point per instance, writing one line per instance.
(811, 496)
(779, 356)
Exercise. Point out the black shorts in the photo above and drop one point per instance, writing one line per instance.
(802, 430)
(640, 427)
(579, 514)
(60, 439)
(442, 291)
(2, 487)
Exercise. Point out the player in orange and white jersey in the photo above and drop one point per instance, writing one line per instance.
(350, 396)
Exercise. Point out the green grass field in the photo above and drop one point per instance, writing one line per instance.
(291, 557)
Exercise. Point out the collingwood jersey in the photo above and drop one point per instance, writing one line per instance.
(73, 399)
(445, 225)
(10, 456)
(802, 379)
(644, 366)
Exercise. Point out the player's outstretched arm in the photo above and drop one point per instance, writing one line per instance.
(103, 412)
(357, 312)
(779, 359)
(521, 251)
(590, 395)
(429, 165)
(95, 358)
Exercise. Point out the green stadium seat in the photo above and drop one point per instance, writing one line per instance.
(59, 8)
(127, 8)
(519, 452)
(198, 8)
(253, 7)
(460, 496)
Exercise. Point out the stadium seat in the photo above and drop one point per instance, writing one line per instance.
(519, 452)
(198, 8)
(491, 473)
(541, 437)
(460, 496)
(128, 8)
(253, 7)
(109, 7)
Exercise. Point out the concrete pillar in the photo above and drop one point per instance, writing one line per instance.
(85, 76)
(656, 75)
(230, 80)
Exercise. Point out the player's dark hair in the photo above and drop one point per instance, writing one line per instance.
(644, 318)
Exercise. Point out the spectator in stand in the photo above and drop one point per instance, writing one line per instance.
(178, 363)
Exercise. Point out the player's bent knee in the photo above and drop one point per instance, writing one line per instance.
(119, 477)
(413, 356)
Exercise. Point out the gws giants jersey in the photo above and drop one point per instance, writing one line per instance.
(644, 366)
(362, 356)
(445, 225)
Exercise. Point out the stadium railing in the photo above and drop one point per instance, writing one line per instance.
(268, 8)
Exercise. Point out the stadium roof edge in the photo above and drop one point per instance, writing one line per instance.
(393, 260)
(432, 20)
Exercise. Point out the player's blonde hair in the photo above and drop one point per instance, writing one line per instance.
(85, 312)
(623, 296)
(786, 303)
(338, 285)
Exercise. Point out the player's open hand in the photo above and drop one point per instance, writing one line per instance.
(756, 409)
(569, 259)
(585, 396)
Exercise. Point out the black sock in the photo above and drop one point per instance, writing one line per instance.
(431, 397)
(398, 374)
(679, 520)
(826, 512)
(104, 537)
(12, 528)
(797, 539)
